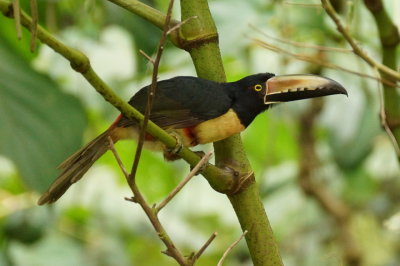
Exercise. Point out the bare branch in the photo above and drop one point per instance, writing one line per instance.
(119, 161)
(326, 4)
(34, 25)
(302, 4)
(139, 199)
(205, 246)
(301, 44)
(192, 173)
(177, 26)
(151, 60)
(17, 16)
(221, 261)
(320, 62)
(151, 93)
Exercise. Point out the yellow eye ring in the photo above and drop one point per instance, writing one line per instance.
(257, 87)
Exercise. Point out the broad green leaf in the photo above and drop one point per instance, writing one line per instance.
(359, 146)
(8, 36)
(40, 125)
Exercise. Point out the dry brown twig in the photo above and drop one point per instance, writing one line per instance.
(17, 16)
(384, 122)
(326, 4)
(34, 25)
(178, 188)
(310, 59)
(151, 60)
(302, 44)
(152, 92)
(177, 26)
(137, 195)
(302, 4)
(205, 246)
(152, 212)
(138, 198)
(229, 249)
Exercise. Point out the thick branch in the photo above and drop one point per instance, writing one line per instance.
(219, 179)
(229, 153)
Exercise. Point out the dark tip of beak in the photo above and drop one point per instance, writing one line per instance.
(336, 87)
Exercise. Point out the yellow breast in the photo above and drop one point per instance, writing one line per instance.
(218, 128)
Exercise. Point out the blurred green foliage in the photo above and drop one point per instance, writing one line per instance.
(43, 121)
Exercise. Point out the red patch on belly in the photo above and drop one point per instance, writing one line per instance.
(189, 134)
(115, 122)
(148, 137)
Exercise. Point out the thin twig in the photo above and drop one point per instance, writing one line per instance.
(34, 25)
(319, 62)
(178, 188)
(147, 56)
(302, 4)
(326, 4)
(151, 94)
(230, 248)
(119, 161)
(177, 26)
(139, 199)
(17, 17)
(301, 44)
(137, 195)
(205, 246)
(154, 16)
(384, 123)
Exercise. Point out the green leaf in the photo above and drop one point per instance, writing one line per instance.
(40, 125)
(359, 145)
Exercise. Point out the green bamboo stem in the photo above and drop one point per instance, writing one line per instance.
(390, 38)
(219, 179)
(246, 202)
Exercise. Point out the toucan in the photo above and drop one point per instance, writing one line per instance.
(196, 110)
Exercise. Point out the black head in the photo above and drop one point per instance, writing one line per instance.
(254, 86)
(254, 94)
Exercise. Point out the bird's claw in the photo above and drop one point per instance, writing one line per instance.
(171, 154)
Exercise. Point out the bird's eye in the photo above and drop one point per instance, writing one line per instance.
(257, 87)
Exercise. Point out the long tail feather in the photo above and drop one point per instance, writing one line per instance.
(75, 167)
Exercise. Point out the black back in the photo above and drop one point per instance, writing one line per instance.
(182, 102)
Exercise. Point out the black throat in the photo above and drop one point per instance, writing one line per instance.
(246, 104)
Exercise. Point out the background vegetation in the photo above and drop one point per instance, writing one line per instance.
(328, 174)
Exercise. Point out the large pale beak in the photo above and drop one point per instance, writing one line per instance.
(288, 88)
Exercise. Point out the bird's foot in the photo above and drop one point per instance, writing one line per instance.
(171, 154)
(201, 154)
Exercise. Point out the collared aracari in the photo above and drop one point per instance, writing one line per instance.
(198, 111)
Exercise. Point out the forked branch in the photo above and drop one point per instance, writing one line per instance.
(326, 4)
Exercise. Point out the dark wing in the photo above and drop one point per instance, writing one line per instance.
(182, 102)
